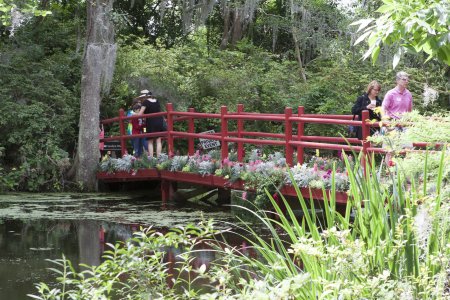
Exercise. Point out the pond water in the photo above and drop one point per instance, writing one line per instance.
(37, 227)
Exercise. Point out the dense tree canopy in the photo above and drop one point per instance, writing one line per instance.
(264, 54)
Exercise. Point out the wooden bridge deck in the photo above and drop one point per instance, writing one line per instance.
(167, 178)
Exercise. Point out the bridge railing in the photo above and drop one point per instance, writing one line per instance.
(287, 139)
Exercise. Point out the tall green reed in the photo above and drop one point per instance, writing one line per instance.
(378, 248)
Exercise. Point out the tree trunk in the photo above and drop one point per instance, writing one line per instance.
(226, 28)
(97, 70)
(237, 28)
(299, 58)
(295, 35)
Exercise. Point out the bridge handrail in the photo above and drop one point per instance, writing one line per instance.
(241, 137)
(332, 116)
(291, 141)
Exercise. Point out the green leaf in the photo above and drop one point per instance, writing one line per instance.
(375, 53)
(373, 39)
(385, 8)
(362, 37)
(397, 57)
(426, 26)
(364, 24)
(427, 48)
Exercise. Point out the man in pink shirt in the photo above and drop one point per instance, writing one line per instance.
(398, 100)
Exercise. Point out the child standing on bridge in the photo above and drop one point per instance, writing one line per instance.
(138, 128)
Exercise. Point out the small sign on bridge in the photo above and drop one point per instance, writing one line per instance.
(209, 144)
(112, 146)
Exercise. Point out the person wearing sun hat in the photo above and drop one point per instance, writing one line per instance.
(156, 124)
(145, 93)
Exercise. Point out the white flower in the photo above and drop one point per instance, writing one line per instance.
(429, 95)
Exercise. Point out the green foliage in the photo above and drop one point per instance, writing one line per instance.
(386, 245)
(428, 129)
(39, 110)
(25, 8)
(189, 76)
(41, 64)
(413, 26)
(141, 261)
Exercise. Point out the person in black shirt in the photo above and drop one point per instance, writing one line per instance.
(368, 101)
(156, 124)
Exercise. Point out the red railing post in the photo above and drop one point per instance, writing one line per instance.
(123, 147)
(224, 131)
(300, 134)
(240, 128)
(365, 126)
(191, 129)
(170, 149)
(288, 135)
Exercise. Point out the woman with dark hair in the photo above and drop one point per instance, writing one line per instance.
(156, 124)
(368, 101)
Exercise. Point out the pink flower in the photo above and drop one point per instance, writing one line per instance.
(315, 167)
(244, 195)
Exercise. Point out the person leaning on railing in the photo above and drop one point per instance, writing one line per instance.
(396, 102)
(368, 101)
(151, 105)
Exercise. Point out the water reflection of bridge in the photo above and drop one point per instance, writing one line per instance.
(26, 246)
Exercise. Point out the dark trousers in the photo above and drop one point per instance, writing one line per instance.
(139, 146)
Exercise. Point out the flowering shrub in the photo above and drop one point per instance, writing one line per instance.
(260, 172)
(204, 164)
(302, 175)
(178, 163)
(111, 165)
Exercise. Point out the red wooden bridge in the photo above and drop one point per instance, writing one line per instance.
(293, 140)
